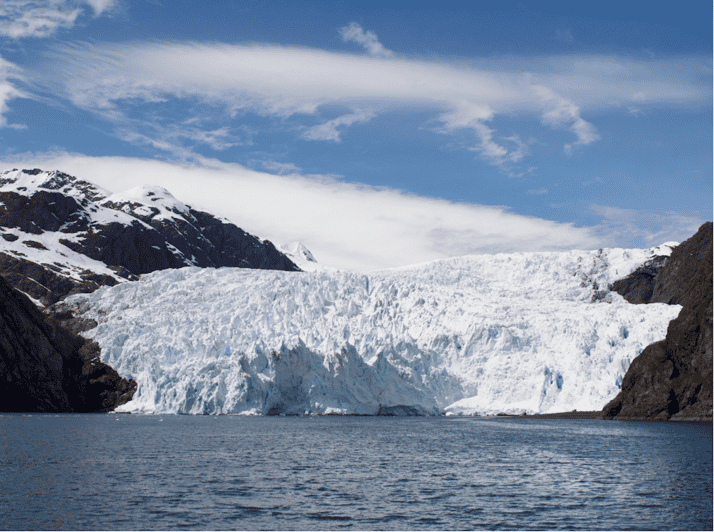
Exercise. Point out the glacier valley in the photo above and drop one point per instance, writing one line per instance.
(512, 333)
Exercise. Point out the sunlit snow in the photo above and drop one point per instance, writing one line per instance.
(535, 332)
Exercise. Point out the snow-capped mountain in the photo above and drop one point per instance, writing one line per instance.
(63, 235)
(298, 251)
(303, 257)
(535, 332)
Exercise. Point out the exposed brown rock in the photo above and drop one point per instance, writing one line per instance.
(672, 378)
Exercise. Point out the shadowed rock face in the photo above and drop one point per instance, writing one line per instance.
(637, 288)
(45, 368)
(124, 238)
(62, 236)
(672, 379)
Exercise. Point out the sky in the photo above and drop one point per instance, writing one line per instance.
(378, 134)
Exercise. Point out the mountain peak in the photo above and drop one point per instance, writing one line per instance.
(147, 200)
(297, 250)
(28, 182)
(60, 234)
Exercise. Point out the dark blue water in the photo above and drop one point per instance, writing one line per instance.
(171, 472)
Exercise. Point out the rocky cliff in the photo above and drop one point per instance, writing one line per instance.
(672, 378)
(62, 235)
(46, 368)
(638, 287)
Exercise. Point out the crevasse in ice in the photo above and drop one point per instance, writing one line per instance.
(535, 332)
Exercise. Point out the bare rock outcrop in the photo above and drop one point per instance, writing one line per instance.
(46, 368)
(672, 379)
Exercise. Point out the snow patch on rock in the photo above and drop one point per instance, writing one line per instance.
(303, 257)
(149, 201)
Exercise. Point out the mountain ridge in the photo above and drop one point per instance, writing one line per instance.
(64, 235)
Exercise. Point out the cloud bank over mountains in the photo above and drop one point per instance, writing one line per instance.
(352, 226)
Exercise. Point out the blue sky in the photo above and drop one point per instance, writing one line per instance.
(377, 133)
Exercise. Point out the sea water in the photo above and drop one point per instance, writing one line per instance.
(224, 472)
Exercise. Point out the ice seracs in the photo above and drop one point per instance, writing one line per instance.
(535, 332)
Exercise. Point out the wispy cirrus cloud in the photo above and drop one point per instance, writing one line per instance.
(289, 82)
(274, 166)
(645, 228)
(559, 112)
(9, 73)
(353, 32)
(537, 191)
(42, 18)
(167, 136)
(329, 131)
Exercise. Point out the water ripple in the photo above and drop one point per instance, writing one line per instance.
(133, 472)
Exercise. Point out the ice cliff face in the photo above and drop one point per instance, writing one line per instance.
(535, 332)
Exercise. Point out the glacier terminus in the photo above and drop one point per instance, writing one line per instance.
(474, 335)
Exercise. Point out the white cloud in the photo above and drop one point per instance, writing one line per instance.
(561, 112)
(7, 93)
(644, 228)
(167, 137)
(100, 6)
(8, 90)
(521, 151)
(353, 32)
(538, 191)
(273, 166)
(42, 18)
(328, 130)
(282, 82)
(346, 225)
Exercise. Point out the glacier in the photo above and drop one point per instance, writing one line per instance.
(472, 335)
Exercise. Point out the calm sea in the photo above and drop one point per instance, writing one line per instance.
(172, 472)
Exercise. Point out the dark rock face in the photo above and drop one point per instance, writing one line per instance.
(127, 236)
(672, 379)
(680, 282)
(47, 283)
(45, 368)
(637, 288)
(63, 236)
